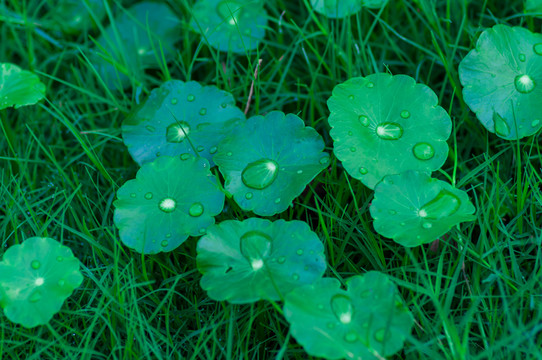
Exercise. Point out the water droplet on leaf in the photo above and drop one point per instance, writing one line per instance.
(249, 195)
(351, 337)
(501, 127)
(255, 245)
(148, 196)
(423, 151)
(537, 48)
(524, 84)
(150, 128)
(535, 123)
(281, 260)
(35, 296)
(190, 98)
(196, 209)
(364, 120)
(389, 131)
(342, 307)
(363, 171)
(213, 150)
(299, 252)
(164, 243)
(174, 101)
(35, 264)
(260, 174)
(443, 205)
(405, 114)
(521, 57)
(203, 111)
(176, 132)
(167, 205)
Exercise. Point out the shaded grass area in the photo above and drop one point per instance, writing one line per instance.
(475, 294)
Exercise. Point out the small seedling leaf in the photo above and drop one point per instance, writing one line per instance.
(19, 87)
(35, 279)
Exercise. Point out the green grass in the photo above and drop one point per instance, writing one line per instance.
(476, 294)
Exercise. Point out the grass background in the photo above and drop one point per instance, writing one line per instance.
(474, 295)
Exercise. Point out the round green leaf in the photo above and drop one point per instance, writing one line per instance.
(413, 209)
(35, 279)
(19, 87)
(534, 6)
(374, 4)
(257, 259)
(384, 124)
(141, 37)
(337, 8)
(76, 16)
(180, 118)
(502, 79)
(237, 26)
(170, 199)
(367, 321)
(269, 161)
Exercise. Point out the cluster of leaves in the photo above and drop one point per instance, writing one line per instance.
(388, 131)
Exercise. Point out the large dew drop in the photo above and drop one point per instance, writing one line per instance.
(177, 131)
(342, 307)
(255, 246)
(260, 174)
(167, 205)
(501, 127)
(389, 131)
(524, 84)
(423, 151)
(443, 205)
(229, 11)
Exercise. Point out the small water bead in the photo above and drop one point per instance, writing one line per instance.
(255, 245)
(35, 264)
(537, 48)
(423, 151)
(501, 126)
(213, 150)
(351, 97)
(133, 195)
(364, 120)
(229, 153)
(427, 225)
(351, 337)
(39, 281)
(150, 128)
(168, 235)
(177, 132)
(164, 243)
(405, 114)
(370, 85)
(200, 148)
(260, 174)
(366, 293)
(353, 149)
(363, 171)
(350, 133)
(35, 296)
(392, 212)
(61, 282)
(202, 230)
(330, 325)
(306, 268)
(295, 277)
(167, 205)
(196, 209)
(174, 101)
(224, 105)
(277, 200)
(281, 260)
(324, 160)
(535, 123)
(148, 196)
(249, 195)
(299, 172)
(203, 111)
(299, 252)
(521, 57)
(524, 84)
(190, 98)
(59, 258)
(382, 334)
(185, 156)
(389, 131)
(342, 307)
